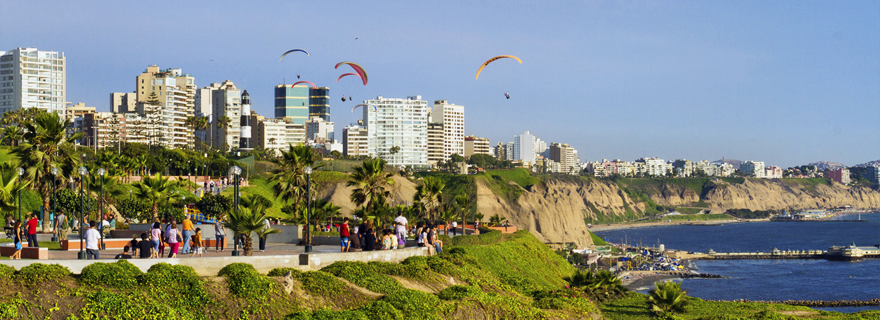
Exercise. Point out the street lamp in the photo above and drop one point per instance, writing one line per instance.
(82, 173)
(54, 171)
(101, 172)
(308, 172)
(234, 171)
(20, 176)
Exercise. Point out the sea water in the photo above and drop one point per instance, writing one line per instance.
(773, 279)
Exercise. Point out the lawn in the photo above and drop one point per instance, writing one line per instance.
(521, 176)
(597, 240)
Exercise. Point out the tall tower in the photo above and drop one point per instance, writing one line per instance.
(245, 144)
(32, 78)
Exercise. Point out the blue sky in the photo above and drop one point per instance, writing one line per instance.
(786, 82)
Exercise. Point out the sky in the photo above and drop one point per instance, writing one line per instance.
(784, 82)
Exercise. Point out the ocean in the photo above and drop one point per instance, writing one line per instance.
(772, 279)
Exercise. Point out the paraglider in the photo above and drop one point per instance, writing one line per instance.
(347, 74)
(297, 76)
(357, 68)
(365, 105)
(343, 98)
(294, 50)
(349, 98)
(507, 95)
(492, 60)
(298, 82)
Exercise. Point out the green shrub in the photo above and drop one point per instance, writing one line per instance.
(327, 314)
(104, 304)
(121, 274)
(444, 238)
(381, 310)
(6, 272)
(414, 304)
(549, 303)
(244, 281)
(320, 283)
(440, 265)
(36, 273)
(414, 267)
(279, 272)
(177, 285)
(458, 292)
(364, 275)
(8, 311)
(486, 237)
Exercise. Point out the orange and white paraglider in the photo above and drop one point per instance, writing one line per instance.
(493, 60)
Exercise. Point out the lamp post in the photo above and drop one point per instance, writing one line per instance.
(82, 173)
(308, 172)
(54, 171)
(101, 172)
(20, 176)
(234, 171)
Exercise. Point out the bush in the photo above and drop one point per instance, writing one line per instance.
(440, 265)
(279, 272)
(244, 281)
(458, 292)
(486, 237)
(121, 274)
(413, 303)
(6, 272)
(37, 273)
(381, 310)
(320, 283)
(364, 275)
(549, 303)
(179, 285)
(414, 267)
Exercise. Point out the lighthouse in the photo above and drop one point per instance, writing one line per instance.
(245, 143)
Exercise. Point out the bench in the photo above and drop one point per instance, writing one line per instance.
(7, 249)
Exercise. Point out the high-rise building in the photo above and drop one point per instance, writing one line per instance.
(524, 147)
(508, 152)
(566, 156)
(30, 78)
(476, 145)
(77, 110)
(296, 134)
(840, 175)
(452, 118)
(355, 141)
(226, 104)
(872, 173)
(319, 103)
(652, 167)
(245, 142)
(319, 129)
(435, 143)
(398, 130)
(500, 151)
(292, 103)
(167, 98)
(752, 169)
(271, 134)
(123, 102)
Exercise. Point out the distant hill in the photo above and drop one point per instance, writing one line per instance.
(735, 163)
(875, 163)
(825, 165)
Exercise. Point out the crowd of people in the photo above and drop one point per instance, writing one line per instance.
(368, 237)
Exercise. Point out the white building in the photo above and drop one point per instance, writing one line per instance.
(524, 147)
(566, 156)
(452, 118)
(652, 167)
(752, 169)
(30, 78)
(355, 141)
(773, 172)
(123, 102)
(166, 98)
(318, 129)
(226, 103)
(400, 123)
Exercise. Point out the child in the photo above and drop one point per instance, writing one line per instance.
(133, 244)
(17, 254)
(197, 243)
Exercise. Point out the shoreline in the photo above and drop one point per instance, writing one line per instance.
(621, 226)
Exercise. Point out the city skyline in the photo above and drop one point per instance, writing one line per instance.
(783, 83)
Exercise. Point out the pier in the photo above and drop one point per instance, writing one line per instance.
(846, 253)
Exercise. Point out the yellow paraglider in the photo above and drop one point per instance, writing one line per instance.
(492, 60)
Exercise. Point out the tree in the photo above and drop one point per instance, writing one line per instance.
(214, 206)
(191, 122)
(394, 150)
(12, 134)
(428, 196)
(244, 222)
(495, 220)
(155, 189)
(667, 297)
(153, 114)
(69, 201)
(370, 181)
(464, 204)
(44, 149)
(112, 189)
(10, 186)
(222, 123)
(290, 174)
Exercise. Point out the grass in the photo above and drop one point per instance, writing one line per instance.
(807, 183)
(597, 240)
(688, 210)
(521, 176)
(51, 245)
(260, 186)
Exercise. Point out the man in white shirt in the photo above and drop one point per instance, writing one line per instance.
(92, 238)
(401, 230)
(454, 224)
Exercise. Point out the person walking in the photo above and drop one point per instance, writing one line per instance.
(220, 233)
(155, 239)
(17, 240)
(173, 239)
(187, 233)
(145, 247)
(344, 235)
(62, 225)
(266, 226)
(400, 229)
(32, 231)
(93, 237)
(454, 225)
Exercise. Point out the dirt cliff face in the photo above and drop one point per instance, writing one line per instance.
(761, 194)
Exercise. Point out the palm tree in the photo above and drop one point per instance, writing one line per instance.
(9, 186)
(44, 149)
(369, 180)
(323, 210)
(222, 123)
(606, 286)
(428, 196)
(246, 222)
(580, 279)
(155, 189)
(290, 174)
(447, 213)
(191, 122)
(495, 220)
(141, 162)
(464, 203)
(667, 297)
(112, 188)
(12, 134)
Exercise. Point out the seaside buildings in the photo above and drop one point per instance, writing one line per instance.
(354, 141)
(524, 147)
(452, 118)
(167, 99)
(840, 175)
(123, 102)
(319, 103)
(435, 143)
(300, 103)
(873, 174)
(319, 129)
(31, 78)
(566, 157)
(476, 145)
(652, 167)
(753, 169)
(398, 130)
(226, 105)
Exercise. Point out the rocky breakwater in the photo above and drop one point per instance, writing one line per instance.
(768, 194)
(554, 210)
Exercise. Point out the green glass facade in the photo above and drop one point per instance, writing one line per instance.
(292, 103)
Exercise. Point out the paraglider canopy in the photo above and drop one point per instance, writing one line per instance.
(365, 105)
(294, 50)
(492, 60)
(357, 68)
(347, 74)
(298, 82)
